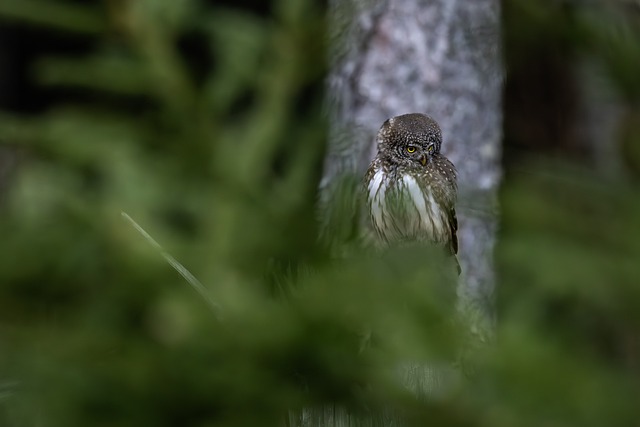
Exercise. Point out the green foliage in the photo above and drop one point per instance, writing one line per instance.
(219, 160)
(607, 31)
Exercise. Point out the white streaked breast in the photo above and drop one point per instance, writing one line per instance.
(418, 216)
(377, 189)
(438, 218)
(414, 192)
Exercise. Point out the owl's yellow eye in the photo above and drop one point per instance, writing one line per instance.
(411, 149)
(430, 149)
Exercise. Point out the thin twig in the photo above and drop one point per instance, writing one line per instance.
(186, 274)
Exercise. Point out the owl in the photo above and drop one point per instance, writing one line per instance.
(410, 187)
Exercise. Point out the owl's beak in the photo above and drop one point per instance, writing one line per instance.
(423, 160)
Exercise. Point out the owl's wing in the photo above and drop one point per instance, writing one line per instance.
(453, 227)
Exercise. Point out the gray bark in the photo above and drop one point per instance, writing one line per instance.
(443, 58)
(440, 57)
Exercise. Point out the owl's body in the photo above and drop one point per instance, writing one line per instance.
(410, 187)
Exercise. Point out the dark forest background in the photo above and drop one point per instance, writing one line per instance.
(205, 121)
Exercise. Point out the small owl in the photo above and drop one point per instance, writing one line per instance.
(410, 187)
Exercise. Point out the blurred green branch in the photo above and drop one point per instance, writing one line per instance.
(186, 274)
(65, 16)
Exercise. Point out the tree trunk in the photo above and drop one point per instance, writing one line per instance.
(440, 57)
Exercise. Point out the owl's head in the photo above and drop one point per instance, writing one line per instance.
(410, 139)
